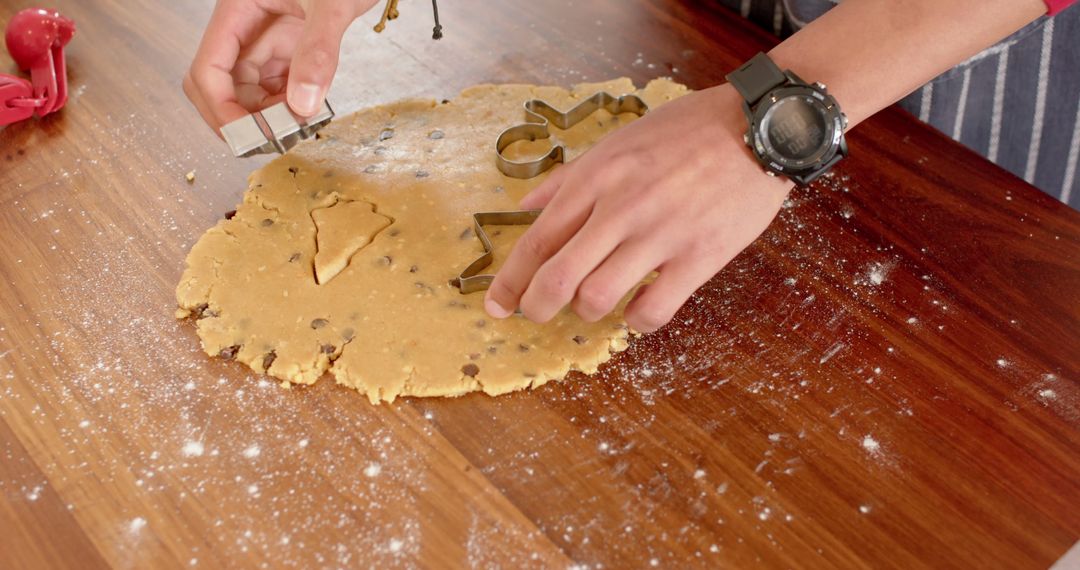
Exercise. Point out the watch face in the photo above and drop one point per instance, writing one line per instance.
(796, 131)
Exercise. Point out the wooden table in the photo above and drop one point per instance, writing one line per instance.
(888, 378)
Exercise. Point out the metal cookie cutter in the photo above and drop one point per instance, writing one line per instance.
(539, 115)
(471, 279)
(274, 129)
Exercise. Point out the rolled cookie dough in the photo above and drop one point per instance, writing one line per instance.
(340, 255)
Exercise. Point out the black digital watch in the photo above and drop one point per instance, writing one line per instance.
(796, 128)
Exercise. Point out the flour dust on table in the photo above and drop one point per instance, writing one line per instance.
(340, 256)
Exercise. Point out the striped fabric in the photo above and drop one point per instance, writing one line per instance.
(1017, 103)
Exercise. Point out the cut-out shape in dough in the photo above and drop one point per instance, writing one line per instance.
(389, 324)
(341, 230)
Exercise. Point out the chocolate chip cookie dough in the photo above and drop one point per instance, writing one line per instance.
(340, 256)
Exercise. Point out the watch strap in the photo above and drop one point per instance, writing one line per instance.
(756, 77)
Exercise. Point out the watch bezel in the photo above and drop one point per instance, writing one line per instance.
(807, 169)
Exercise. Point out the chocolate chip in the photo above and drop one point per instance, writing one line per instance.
(413, 269)
(319, 323)
(202, 311)
(294, 257)
(436, 135)
(386, 134)
(328, 349)
(20, 152)
(267, 222)
(470, 370)
(444, 101)
(394, 232)
(230, 214)
(230, 352)
(294, 170)
(465, 234)
(580, 339)
(523, 347)
(422, 174)
(269, 359)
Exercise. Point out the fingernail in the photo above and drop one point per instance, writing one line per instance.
(496, 310)
(304, 98)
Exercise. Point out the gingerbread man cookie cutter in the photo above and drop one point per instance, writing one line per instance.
(539, 116)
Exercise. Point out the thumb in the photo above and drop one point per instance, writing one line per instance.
(316, 58)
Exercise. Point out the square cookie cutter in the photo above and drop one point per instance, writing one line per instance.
(274, 129)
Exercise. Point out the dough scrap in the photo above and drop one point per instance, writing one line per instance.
(380, 208)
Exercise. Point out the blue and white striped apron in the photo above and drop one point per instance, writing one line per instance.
(1017, 103)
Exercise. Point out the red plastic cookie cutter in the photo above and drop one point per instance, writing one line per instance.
(35, 39)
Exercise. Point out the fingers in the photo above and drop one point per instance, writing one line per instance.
(209, 83)
(546, 190)
(556, 281)
(602, 290)
(555, 226)
(316, 59)
(656, 303)
(196, 99)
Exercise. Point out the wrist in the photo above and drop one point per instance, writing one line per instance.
(731, 125)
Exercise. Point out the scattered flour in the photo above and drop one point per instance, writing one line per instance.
(136, 525)
(193, 449)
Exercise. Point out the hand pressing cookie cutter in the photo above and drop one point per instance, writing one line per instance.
(539, 115)
(471, 279)
(274, 129)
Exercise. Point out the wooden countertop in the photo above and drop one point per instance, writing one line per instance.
(888, 378)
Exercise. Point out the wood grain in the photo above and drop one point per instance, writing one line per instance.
(887, 378)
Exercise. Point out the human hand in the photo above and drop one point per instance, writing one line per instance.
(255, 53)
(676, 191)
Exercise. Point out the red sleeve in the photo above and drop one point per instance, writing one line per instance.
(1055, 6)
